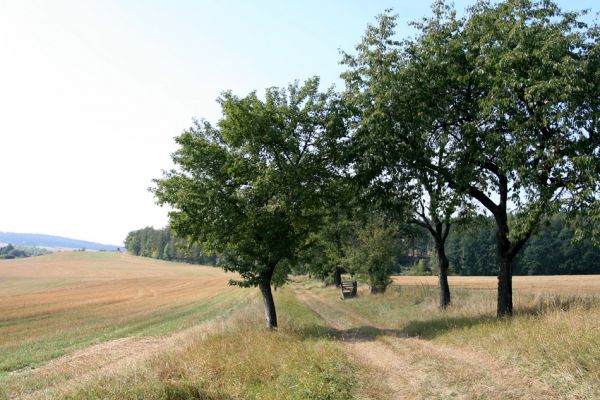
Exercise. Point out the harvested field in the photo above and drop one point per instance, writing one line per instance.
(53, 305)
(564, 284)
(113, 326)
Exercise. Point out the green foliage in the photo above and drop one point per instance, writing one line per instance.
(551, 251)
(164, 244)
(250, 188)
(419, 269)
(370, 252)
(473, 101)
(327, 250)
(9, 252)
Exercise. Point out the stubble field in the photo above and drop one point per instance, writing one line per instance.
(113, 326)
(59, 304)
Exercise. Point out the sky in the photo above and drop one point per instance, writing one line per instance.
(92, 93)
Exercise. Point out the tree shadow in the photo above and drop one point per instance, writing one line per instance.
(441, 325)
(425, 329)
(430, 328)
(358, 334)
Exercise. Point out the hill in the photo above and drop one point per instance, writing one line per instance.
(39, 240)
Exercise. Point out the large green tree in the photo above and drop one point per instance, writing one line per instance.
(251, 188)
(394, 146)
(506, 94)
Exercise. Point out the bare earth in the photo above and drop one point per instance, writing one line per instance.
(412, 368)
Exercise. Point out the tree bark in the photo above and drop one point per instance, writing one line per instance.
(439, 232)
(337, 277)
(270, 314)
(443, 265)
(504, 253)
(265, 289)
(505, 301)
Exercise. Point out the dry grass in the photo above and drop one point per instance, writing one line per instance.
(240, 360)
(549, 349)
(131, 329)
(56, 304)
(565, 284)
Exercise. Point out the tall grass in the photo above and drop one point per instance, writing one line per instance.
(551, 336)
(241, 360)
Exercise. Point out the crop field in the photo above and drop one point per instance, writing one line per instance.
(567, 284)
(114, 326)
(60, 303)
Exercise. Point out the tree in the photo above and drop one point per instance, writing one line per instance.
(523, 140)
(250, 188)
(370, 252)
(505, 93)
(325, 258)
(381, 89)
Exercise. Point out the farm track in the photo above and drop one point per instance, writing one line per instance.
(413, 368)
(111, 312)
(111, 358)
(103, 360)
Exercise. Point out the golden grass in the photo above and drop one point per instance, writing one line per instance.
(568, 284)
(241, 360)
(52, 305)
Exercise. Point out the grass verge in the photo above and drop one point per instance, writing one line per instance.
(242, 360)
(553, 337)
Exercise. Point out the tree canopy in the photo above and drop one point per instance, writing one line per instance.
(250, 189)
(493, 107)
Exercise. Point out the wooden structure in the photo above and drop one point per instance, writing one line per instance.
(349, 289)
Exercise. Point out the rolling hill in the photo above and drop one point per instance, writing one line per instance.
(39, 240)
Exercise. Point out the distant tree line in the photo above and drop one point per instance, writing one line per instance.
(10, 252)
(551, 251)
(163, 244)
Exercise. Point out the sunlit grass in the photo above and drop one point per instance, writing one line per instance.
(554, 336)
(242, 360)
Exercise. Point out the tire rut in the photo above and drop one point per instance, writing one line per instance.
(414, 368)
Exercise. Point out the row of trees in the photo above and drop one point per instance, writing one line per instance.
(551, 251)
(493, 113)
(9, 252)
(164, 244)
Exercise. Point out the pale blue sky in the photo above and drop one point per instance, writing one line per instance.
(93, 92)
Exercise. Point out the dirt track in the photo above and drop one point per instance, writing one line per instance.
(69, 316)
(105, 359)
(413, 368)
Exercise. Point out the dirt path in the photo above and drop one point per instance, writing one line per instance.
(413, 368)
(114, 357)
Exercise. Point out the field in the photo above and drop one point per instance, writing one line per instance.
(113, 326)
(566, 284)
(57, 304)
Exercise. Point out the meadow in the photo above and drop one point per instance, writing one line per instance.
(114, 326)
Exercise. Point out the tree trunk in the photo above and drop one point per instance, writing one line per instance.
(503, 247)
(443, 265)
(505, 302)
(270, 314)
(375, 290)
(337, 277)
